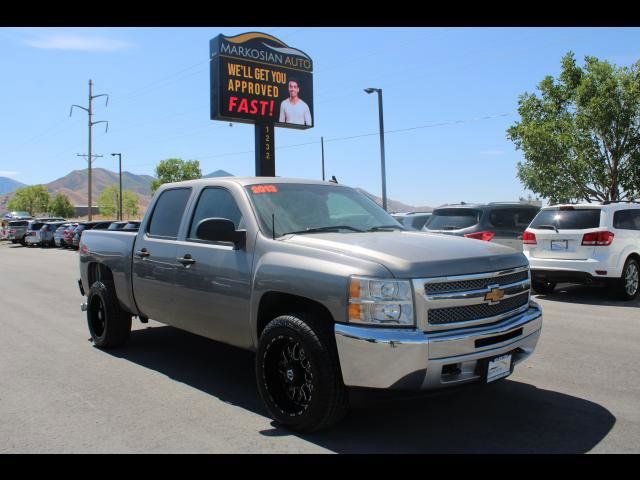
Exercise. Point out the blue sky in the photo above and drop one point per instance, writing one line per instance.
(449, 95)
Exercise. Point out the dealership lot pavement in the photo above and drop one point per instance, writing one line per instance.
(170, 391)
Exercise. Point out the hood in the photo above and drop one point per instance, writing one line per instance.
(417, 254)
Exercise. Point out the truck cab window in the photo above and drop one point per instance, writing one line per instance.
(167, 213)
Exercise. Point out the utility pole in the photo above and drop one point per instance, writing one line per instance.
(94, 156)
(322, 145)
(91, 124)
(120, 170)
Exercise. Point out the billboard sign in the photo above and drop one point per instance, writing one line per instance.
(256, 78)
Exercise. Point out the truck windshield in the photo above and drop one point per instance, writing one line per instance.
(313, 208)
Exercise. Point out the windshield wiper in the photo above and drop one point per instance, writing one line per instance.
(328, 228)
(385, 227)
(548, 227)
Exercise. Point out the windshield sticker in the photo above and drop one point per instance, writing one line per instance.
(264, 189)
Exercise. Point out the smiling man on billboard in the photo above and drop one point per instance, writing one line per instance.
(294, 109)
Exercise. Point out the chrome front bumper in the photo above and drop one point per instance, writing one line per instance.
(410, 359)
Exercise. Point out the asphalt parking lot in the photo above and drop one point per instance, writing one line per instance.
(173, 392)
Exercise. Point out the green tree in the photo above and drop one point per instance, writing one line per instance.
(581, 137)
(109, 202)
(129, 204)
(61, 206)
(34, 199)
(175, 170)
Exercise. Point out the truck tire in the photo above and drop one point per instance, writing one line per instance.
(628, 285)
(542, 288)
(109, 324)
(298, 374)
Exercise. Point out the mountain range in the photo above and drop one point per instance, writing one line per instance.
(74, 185)
(8, 185)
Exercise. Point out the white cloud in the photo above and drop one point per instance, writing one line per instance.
(6, 173)
(69, 41)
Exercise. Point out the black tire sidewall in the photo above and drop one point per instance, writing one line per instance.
(117, 324)
(543, 287)
(326, 379)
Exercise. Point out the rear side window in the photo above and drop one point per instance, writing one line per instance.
(575, 219)
(627, 220)
(167, 213)
(453, 219)
(512, 218)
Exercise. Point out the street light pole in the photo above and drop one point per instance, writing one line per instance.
(120, 170)
(382, 162)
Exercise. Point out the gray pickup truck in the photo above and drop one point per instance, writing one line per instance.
(324, 285)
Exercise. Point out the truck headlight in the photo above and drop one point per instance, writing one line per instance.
(374, 301)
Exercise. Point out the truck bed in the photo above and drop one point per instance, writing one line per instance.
(113, 249)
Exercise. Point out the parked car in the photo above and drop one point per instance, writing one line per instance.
(585, 243)
(82, 226)
(322, 283)
(6, 220)
(33, 235)
(67, 235)
(47, 233)
(58, 235)
(412, 220)
(17, 230)
(17, 215)
(499, 222)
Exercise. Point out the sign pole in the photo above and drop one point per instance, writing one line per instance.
(265, 151)
(256, 78)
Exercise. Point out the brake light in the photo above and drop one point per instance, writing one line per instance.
(529, 238)
(486, 236)
(597, 238)
(13, 230)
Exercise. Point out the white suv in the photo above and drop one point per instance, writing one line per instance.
(585, 243)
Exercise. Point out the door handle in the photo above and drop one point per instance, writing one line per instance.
(186, 260)
(142, 253)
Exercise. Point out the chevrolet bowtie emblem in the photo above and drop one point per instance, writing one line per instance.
(495, 295)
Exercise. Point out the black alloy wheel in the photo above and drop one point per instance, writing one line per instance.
(289, 377)
(298, 373)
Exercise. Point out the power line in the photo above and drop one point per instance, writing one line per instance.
(351, 137)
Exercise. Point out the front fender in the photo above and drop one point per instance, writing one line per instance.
(309, 273)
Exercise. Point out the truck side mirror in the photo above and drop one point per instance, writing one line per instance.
(221, 230)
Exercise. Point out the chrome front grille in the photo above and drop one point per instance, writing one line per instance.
(446, 303)
(441, 316)
(459, 286)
